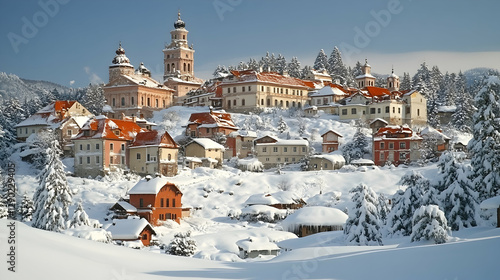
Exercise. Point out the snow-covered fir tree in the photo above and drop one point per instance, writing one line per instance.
(34, 150)
(356, 148)
(242, 66)
(462, 117)
(253, 64)
(336, 67)
(383, 208)
(282, 126)
(220, 71)
(281, 65)
(4, 210)
(429, 223)
(80, 217)
(305, 71)
(25, 210)
(294, 69)
(399, 220)
(321, 62)
(52, 197)
(406, 82)
(363, 224)
(484, 147)
(459, 200)
(357, 70)
(182, 245)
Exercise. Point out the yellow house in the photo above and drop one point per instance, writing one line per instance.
(272, 151)
(209, 151)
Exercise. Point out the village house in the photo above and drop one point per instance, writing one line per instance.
(178, 60)
(254, 247)
(436, 139)
(250, 90)
(314, 219)
(207, 150)
(102, 146)
(66, 118)
(208, 95)
(330, 141)
(158, 200)
(152, 152)
(396, 145)
(123, 209)
(240, 144)
(130, 230)
(272, 151)
(134, 93)
(326, 162)
(327, 98)
(278, 200)
(210, 124)
(319, 77)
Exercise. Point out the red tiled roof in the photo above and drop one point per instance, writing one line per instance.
(105, 129)
(62, 105)
(391, 130)
(339, 87)
(271, 77)
(152, 137)
(377, 91)
(213, 117)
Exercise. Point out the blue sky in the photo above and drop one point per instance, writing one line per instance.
(75, 40)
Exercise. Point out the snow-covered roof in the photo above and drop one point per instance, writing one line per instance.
(208, 143)
(328, 91)
(363, 161)
(263, 209)
(315, 216)
(447, 109)
(331, 157)
(379, 120)
(281, 197)
(432, 131)
(257, 244)
(151, 186)
(127, 228)
(193, 159)
(282, 142)
(365, 76)
(491, 203)
(127, 206)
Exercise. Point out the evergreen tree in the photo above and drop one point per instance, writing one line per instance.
(80, 217)
(484, 147)
(462, 118)
(266, 63)
(363, 225)
(357, 70)
(356, 148)
(52, 197)
(458, 198)
(405, 203)
(242, 66)
(336, 67)
(383, 208)
(406, 82)
(429, 223)
(94, 99)
(282, 126)
(4, 207)
(321, 62)
(253, 64)
(294, 69)
(25, 210)
(182, 245)
(305, 71)
(281, 65)
(220, 71)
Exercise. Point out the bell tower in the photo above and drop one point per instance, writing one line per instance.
(178, 55)
(366, 79)
(393, 82)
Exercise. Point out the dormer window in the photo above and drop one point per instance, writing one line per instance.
(86, 133)
(116, 132)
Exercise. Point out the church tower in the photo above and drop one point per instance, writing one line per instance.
(393, 82)
(366, 79)
(178, 58)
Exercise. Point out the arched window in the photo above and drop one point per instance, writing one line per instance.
(157, 103)
(293, 104)
(168, 67)
(269, 102)
(262, 102)
(113, 102)
(234, 102)
(149, 102)
(189, 67)
(287, 104)
(142, 101)
(184, 67)
(173, 67)
(229, 104)
(123, 101)
(300, 105)
(132, 100)
(281, 103)
(275, 103)
(169, 156)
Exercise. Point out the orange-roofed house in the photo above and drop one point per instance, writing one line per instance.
(249, 90)
(102, 146)
(152, 152)
(64, 117)
(158, 200)
(330, 141)
(209, 124)
(396, 145)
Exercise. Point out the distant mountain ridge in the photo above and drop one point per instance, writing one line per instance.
(11, 86)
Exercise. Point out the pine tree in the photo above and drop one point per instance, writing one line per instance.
(383, 208)
(429, 223)
(282, 126)
(459, 200)
(52, 197)
(94, 99)
(321, 62)
(305, 71)
(281, 65)
(406, 82)
(462, 118)
(294, 69)
(4, 210)
(337, 69)
(363, 225)
(405, 203)
(182, 245)
(357, 70)
(25, 210)
(253, 64)
(242, 66)
(485, 144)
(356, 148)
(220, 71)
(80, 217)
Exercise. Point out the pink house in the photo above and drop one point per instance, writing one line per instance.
(330, 141)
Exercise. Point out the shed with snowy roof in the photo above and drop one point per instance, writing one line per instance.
(279, 200)
(123, 209)
(253, 247)
(206, 148)
(492, 203)
(314, 219)
(131, 229)
(158, 200)
(330, 161)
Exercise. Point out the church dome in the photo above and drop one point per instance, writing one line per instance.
(120, 57)
(179, 24)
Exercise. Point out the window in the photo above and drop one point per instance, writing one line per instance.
(123, 147)
(117, 132)
(294, 149)
(382, 145)
(391, 145)
(97, 146)
(68, 133)
(88, 147)
(378, 110)
(228, 90)
(111, 160)
(111, 146)
(402, 145)
(161, 202)
(402, 156)
(142, 101)
(242, 102)
(293, 159)
(399, 110)
(169, 157)
(145, 236)
(418, 112)
(243, 89)
(285, 149)
(148, 157)
(123, 101)
(132, 99)
(387, 109)
(97, 160)
(149, 102)
(267, 159)
(234, 102)
(208, 130)
(168, 203)
(353, 111)
(275, 149)
(234, 89)
(344, 111)
(173, 202)
(279, 159)
(157, 104)
(141, 202)
(381, 157)
(88, 160)
(81, 147)
(393, 109)
(249, 88)
(372, 110)
(326, 165)
(264, 149)
(303, 149)
(113, 102)
(286, 159)
(138, 156)
(80, 160)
